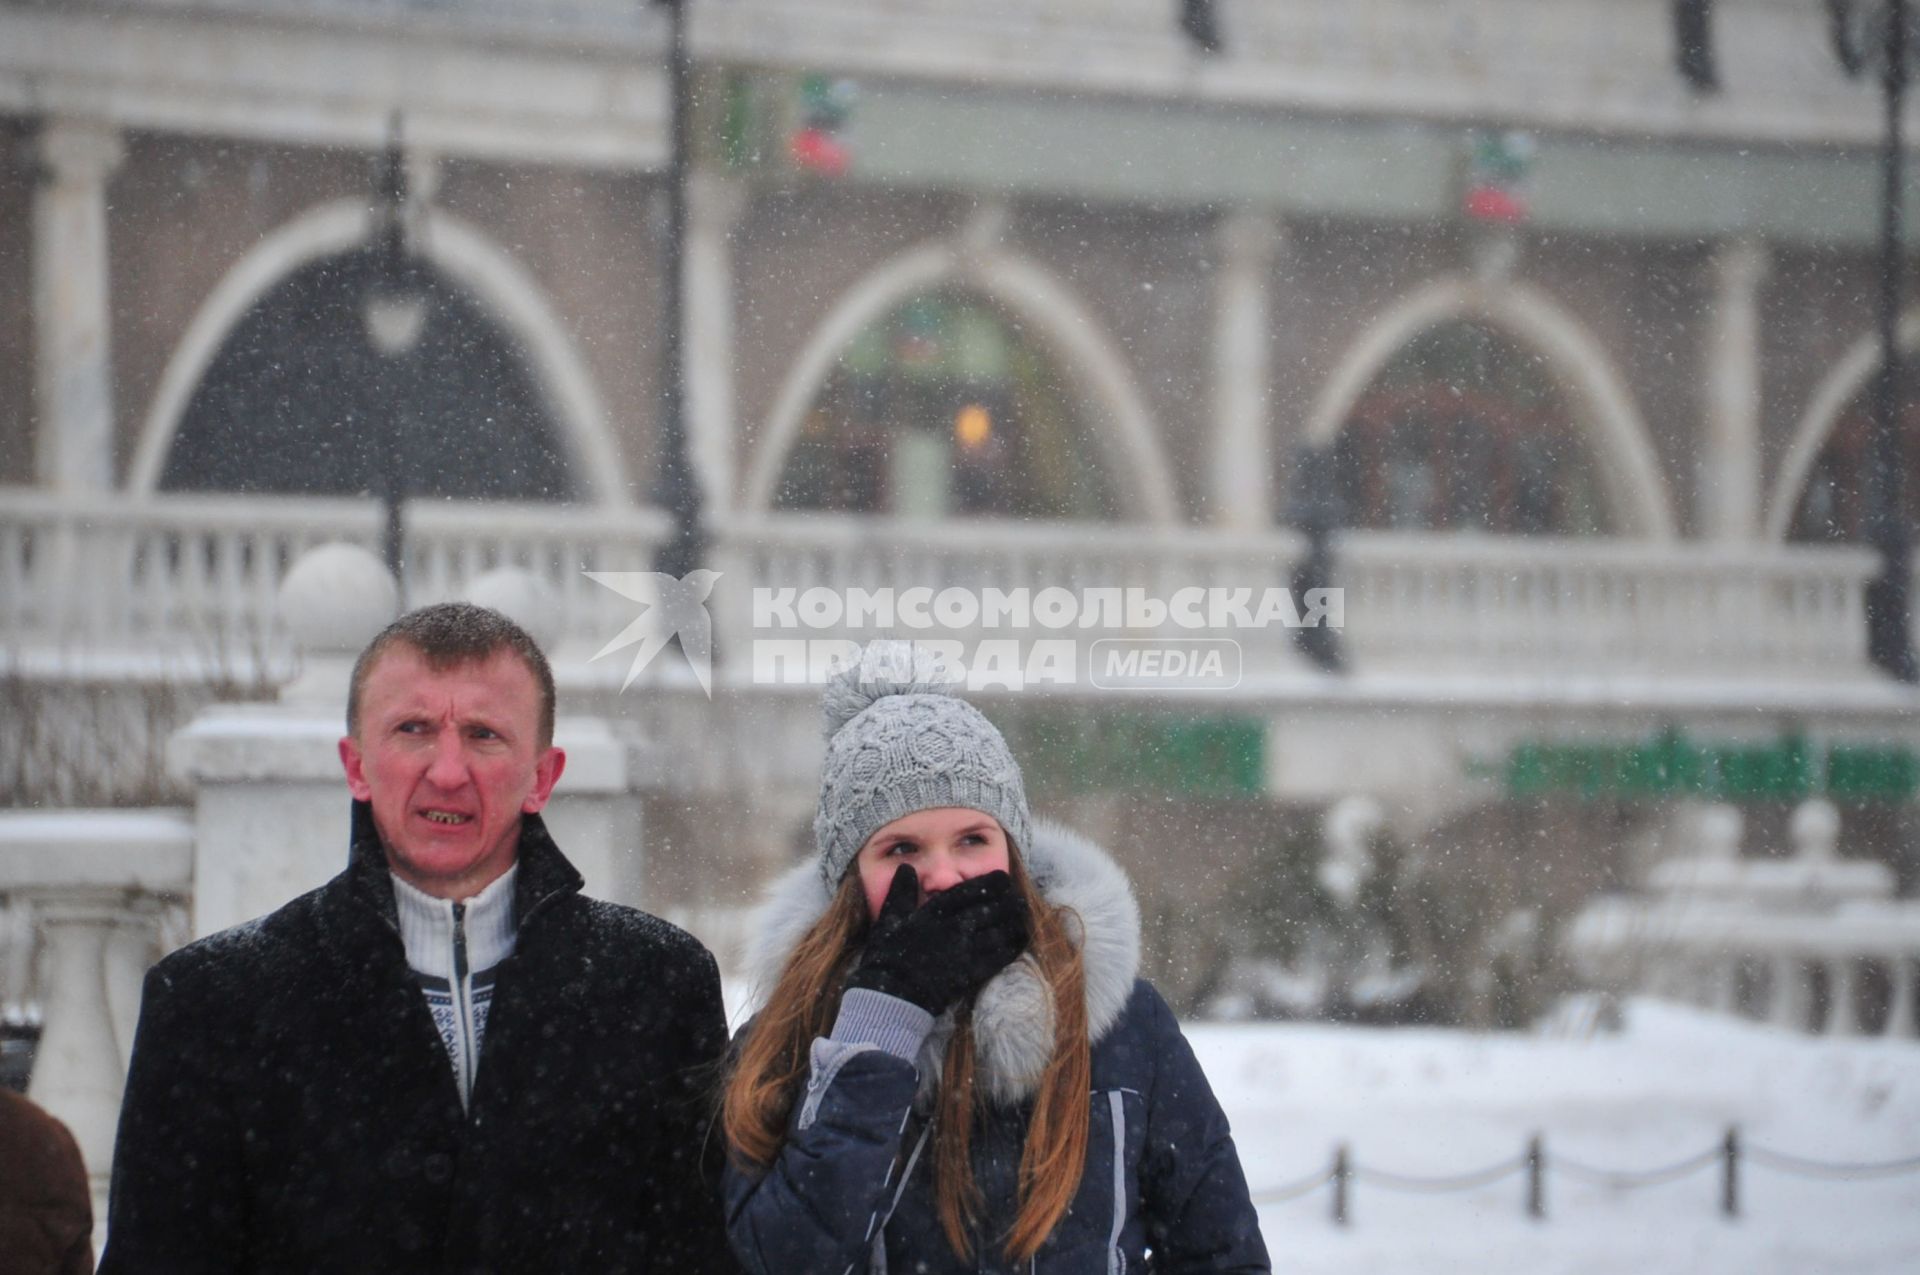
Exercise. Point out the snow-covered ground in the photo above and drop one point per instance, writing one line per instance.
(1421, 1102)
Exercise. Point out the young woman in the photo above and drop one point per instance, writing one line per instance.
(957, 1068)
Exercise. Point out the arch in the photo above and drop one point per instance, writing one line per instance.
(506, 290)
(1066, 327)
(1603, 408)
(1849, 377)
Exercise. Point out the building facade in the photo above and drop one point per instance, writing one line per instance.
(1569, 355)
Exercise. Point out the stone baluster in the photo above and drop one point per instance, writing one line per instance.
(1843, 1018)
(97, 885)
(1900, 1016)
(1723, 983)
(96, 945)
(1787, 996)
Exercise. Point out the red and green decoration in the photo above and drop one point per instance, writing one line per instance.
(818, 144)
(1498, 165)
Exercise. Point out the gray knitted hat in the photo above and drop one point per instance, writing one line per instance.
(899, 740)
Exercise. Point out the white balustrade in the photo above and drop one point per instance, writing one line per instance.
(188, 584)
(1714, 921)
(450, 544)
(100, 892)
(1602, 605)
(179, 583)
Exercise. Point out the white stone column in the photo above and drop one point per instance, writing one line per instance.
(1729, 466)
(73, 371)
(714, 206)
(1241, 464)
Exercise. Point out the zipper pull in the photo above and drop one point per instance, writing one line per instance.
(459, 942)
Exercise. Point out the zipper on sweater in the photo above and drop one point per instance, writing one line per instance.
(459, 942)
(463, 1001)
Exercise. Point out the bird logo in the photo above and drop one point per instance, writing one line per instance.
(670, 608)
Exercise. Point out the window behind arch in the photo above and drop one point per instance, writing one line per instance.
(1832, 505)
(945, 407)
(1465, 430)
(297, 401)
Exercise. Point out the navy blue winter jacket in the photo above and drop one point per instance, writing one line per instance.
(852, 1189)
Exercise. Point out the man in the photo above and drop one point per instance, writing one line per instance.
(446, 1058)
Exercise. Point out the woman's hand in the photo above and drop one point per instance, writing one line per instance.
(939, 954)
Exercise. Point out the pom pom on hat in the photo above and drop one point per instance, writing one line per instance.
(901, 740)
(886, 667)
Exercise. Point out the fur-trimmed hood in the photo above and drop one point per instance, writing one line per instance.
(1013, 1014)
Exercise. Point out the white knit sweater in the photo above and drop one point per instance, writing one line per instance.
(453, 949)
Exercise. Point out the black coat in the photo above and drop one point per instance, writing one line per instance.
(291, 1108)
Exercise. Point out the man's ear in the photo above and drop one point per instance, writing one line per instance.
(355, 766)
(546, 773)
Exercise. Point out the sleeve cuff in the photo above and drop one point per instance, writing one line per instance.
(874, 1018)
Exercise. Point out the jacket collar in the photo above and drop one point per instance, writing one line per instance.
(1013, 1014)
(544, 877)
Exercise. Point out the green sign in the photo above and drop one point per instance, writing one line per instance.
(1671, 765)
(1197, 757)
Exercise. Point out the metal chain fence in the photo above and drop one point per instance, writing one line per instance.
(1730, 1154)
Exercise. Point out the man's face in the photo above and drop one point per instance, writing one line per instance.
(449, 760)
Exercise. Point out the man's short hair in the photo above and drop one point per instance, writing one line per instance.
(447, 635)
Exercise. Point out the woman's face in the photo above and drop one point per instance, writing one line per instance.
(946, 846)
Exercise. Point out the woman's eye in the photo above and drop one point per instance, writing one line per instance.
(901, 847)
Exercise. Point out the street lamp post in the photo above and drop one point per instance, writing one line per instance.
(394, 313)
(674, 484)
(1889, 597)
(1864, 32)
(1316, 514)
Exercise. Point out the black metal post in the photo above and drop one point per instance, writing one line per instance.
(1342, 1177)
(1889, 597)
(393, 279)
(1536, 1178)
(1730, 1173)
(675, 485)
(1315, 512)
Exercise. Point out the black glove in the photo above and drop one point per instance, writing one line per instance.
(942, 953)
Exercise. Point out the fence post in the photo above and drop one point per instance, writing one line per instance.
(1342, 1174)
(1536, 1178)
(1730, 1173)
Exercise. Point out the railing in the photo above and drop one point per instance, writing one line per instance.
(199, 574)
(178, 578)
(189, 584)
(1421, 603)
(192, 580)
(1601, 605)
(1798, 972)
(450, 545)
(88, 900)
(1534, 1165)
(1097, 564)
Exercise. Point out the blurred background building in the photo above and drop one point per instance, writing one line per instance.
(1543, 328)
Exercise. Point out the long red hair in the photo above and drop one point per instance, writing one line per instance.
(773, 1065)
